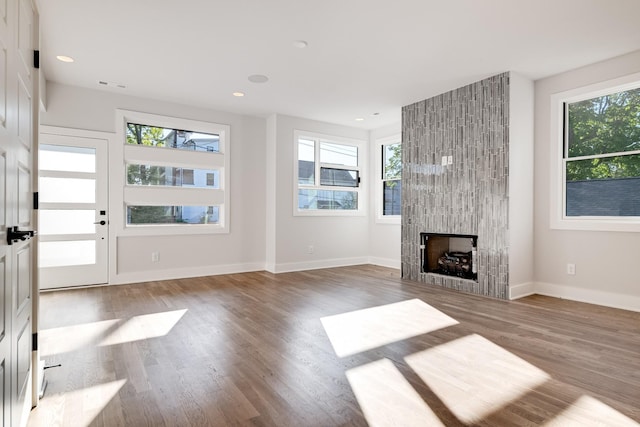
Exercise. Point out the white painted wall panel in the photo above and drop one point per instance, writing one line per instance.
(336, 240)
(521, 104)
(384, 240)
(241, 249)
(605, 261)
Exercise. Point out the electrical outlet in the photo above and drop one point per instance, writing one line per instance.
(449, 160)
(310, 249)
(571, 269)
(155, 256)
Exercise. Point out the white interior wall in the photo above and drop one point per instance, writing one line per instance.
(606, 262)
(384, 238)
(337, 240)
(521, 105)
(271, 192)
(264, 231)
(243, 249)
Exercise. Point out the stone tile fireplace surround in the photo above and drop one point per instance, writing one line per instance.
(468, 170)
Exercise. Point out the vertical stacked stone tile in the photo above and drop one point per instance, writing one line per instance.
(471, 195)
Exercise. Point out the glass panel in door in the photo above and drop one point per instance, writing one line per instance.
(73, 219)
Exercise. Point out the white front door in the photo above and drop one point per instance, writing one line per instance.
(18, 101)
(73, 217)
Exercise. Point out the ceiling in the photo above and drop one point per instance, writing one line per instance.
(364, 59)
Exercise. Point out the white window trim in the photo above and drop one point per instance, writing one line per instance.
(379, 196)
(557, 201)
(123, 193)
(361, 189)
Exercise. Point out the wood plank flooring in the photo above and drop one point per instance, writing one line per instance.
(250, 349)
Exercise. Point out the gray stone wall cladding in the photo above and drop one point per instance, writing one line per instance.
(469, 196)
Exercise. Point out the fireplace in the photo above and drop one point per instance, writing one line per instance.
(449, 255)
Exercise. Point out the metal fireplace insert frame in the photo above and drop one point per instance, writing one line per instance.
(425, 260)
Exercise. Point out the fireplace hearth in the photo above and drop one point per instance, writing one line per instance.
(449, 255)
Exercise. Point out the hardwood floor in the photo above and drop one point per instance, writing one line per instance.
(252, 349)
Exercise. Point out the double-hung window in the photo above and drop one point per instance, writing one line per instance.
(328, 175)
(389, 187)
(176, 174)
(600, 159)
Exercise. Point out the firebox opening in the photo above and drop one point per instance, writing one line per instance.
(449, 254)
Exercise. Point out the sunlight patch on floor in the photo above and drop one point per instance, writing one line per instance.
(81, 406)
(361, 330)
(71, 338)
(107, 332)
(386, 397)
(144, 327)
(475, 377)
(588, 412)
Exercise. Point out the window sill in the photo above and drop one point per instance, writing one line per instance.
(172, 229)
(389, 220)
(631, 224)
(327, 213)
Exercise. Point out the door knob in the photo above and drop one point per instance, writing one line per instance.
(103, 222)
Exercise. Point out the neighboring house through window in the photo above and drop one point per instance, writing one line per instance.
(174, 172)
(389, 177)
(328, 175)
(599, 176)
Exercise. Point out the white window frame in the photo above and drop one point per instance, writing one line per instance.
(125, 194)
(361, 190)
(558, 217)
(379, 194)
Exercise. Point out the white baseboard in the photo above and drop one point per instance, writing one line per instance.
(183, 273)
(270, 267)
(386, 262)
(315, 265)
(522, 290)
(607, 299)
(591, 296)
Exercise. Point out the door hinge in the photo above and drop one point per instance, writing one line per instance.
(36, 59)
(35, 200)
(34, 342)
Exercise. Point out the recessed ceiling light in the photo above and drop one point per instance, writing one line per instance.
(359, 119)
(238, 94)
(64, 58)
(258, 78)
(300, 44)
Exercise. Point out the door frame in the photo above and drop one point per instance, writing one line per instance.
(110, 139)
(78, 274)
